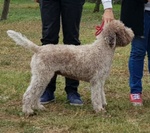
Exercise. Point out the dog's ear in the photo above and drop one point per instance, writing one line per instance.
(117, 34)
(111, 40)
(124, 35)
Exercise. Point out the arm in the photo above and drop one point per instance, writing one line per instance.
(108, 12)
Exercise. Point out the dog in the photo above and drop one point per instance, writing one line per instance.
(90, 63)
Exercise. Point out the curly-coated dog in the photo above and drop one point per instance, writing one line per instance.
(89, 63)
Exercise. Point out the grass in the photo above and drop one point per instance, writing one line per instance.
(60, 117)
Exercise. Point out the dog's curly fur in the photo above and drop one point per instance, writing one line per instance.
(89, 63)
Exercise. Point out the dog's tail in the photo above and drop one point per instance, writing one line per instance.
(22, 40)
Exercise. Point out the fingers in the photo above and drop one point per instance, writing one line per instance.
(108, 15)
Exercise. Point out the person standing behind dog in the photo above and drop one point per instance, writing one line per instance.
(134, 16)
(69, 11)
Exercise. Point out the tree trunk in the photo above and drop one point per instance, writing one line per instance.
(5, 10)
(117, 1)
(97, 6)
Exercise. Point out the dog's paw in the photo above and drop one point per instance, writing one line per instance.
(99, 109)
(41, 107)
(28, 112)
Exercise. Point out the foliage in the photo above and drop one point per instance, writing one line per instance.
(60, 117)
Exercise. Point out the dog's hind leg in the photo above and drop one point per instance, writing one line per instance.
(36, 88)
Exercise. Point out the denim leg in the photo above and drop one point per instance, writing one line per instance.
(136, 64)
(147, 34)
(136, 61)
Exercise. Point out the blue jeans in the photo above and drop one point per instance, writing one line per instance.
(140, 47)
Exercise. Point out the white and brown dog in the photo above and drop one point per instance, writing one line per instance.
(89, 63)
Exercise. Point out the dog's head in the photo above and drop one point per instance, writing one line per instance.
(116, 34)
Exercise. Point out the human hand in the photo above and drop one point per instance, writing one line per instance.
(108, 15)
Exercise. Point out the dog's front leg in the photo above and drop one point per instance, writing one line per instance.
(104, 103)
(96, 96)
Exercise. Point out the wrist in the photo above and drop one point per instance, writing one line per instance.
(108, 9)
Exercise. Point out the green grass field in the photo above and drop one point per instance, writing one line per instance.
(60, 117)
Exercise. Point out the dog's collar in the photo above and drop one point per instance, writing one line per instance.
(99, 29)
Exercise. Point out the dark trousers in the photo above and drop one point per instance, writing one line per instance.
(68, 12)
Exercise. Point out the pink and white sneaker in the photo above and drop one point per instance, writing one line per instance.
(136, 99)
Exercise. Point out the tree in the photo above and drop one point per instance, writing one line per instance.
(5, 10)
(97, 6)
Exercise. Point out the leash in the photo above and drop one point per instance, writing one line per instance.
(99, 29)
